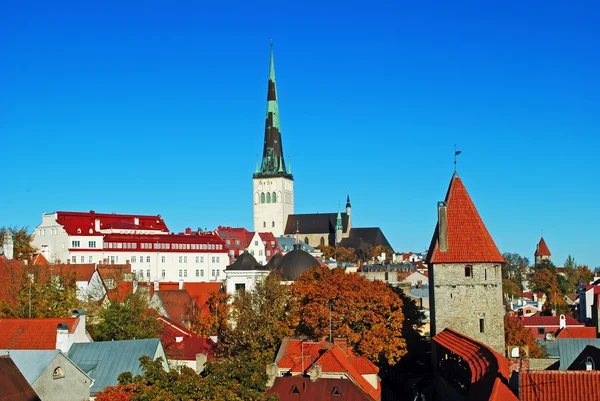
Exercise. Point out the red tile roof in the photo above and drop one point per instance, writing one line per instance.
(189, 345)
(82, 272)
(501, 392)
(542, 249)
(37, 333)
(177, 304)
(332, 359)
(468, 239)
(576, 332)
(559, 385)
(38, 259)
(478, 355)
(300, 388)
(13, 385)
(84, 223)
(548, 321)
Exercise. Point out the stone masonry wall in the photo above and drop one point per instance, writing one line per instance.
(460, 302)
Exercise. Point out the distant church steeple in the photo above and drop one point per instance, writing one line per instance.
(273, 163)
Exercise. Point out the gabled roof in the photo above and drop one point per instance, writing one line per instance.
(104, 361)
(576, 332)
(189, 344)
(570, 348)
(542, 249)
(13, 385)
(177, 304)
(39, 333)
(300, 388)
(32, 363)
(556, 385)
(38, 259)
(468, 239)
(84, 223)
(314, 223)
(548, 321)
(82, 271)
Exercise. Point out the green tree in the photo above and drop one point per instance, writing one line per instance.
(133, 318)
(21, 240)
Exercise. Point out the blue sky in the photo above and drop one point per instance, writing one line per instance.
(154, 108)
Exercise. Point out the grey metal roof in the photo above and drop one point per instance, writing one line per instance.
(570, 348)
(104, 361)
(287, 244)
(31, 363)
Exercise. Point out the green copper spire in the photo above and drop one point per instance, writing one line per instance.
(338, 224)
(273, 161)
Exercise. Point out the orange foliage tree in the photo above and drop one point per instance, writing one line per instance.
(368, 313)
(517, 334)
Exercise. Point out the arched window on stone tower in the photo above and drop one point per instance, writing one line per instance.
(268, 197)
(322, 241)
(262, 197)
(274, 198)
(306, 240)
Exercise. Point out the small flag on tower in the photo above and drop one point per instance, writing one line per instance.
(456, 152)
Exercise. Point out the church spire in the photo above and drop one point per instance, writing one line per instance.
(273, 162)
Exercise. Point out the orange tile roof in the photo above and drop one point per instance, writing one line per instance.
(468, 239)
(37, 333)
(576, 332)
(559, 385)
(38, 259)
(501, 392)
(542, 249)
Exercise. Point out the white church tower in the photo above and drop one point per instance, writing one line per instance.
(273, 183)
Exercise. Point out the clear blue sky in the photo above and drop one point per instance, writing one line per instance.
(158, 107)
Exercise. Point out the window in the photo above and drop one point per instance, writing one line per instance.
(481, 325)
(162, 273)
(141, 259)
(197, 259)
(117, 258)
(58, 373)
(74, 259)
(185, 273)
(213, 273)
(272, 224)
(336, 392)
(306, 240)
(112, 259)
(268, 197)
(213, 259)
(163, 259)
(185, 259)
(217, 259)
(485, 273)
(180, 259)
(201, 273)
(90, 259)
(91, 244)
(541, 330)
(147, 259)
(240, 287)
(75, 244)
(180, 273)
(469, 271)
(260, 252)
(201, 259)
(496, 271)
(133, 259)
(110, 283)
(255, 243)
(264, 224)
(262, 197)
(268, 253)
(197, 273)
(274, 198)
(148, 273)
(322, 241)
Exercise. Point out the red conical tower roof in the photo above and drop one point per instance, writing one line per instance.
(542, 249)
(468, 239)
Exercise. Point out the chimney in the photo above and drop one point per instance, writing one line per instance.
(63, 339)
(200, 362)
(443, 226)
(316, 371)
(181, 284)
(535, 297)
(188, 231)
(80, 313)
(97, 225)
(157, 286)
(136, 221)
(562, 322)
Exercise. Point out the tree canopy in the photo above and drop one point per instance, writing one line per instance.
(517, 334)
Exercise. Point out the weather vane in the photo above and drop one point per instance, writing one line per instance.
(456, 153)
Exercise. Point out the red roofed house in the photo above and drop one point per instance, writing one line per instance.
(261, 245)
(184, 347)
(43, 333)
(466, 369)
(465, 278)
(542, 252)
(145, 241)
(324, 360)
(542, 325)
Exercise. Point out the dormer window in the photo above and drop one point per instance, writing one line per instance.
(58, 373)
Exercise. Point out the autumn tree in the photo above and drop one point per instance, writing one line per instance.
(510, 288)
(217, 318)
(347, 255)
(381, 249)
(132, 318)
(36, 291)
(517, 334)
(260, 319)
(21, 240)
(327, 251)
(544, 280)
(368, 313)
